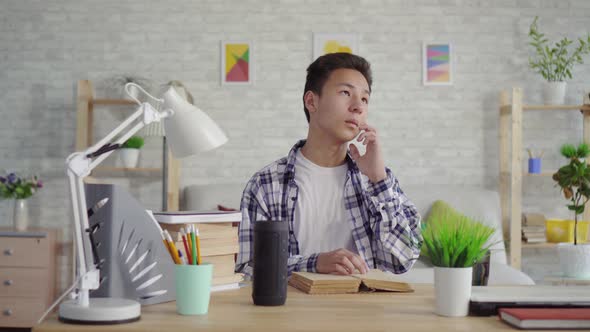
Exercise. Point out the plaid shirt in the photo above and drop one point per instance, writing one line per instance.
(385, 224)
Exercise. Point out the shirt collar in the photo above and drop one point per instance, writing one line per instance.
(290, 168)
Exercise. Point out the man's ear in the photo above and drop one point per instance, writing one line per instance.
(311, 100)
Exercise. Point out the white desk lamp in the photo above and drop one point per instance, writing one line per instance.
(189, 130)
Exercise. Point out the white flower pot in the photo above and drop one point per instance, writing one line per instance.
(129, 157)
(574, 260)
(453, 290)
(554, 93)
(21, 214)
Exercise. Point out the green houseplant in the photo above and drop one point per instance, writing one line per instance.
(19, 188)
(134, 142)
(555, 62)
(573, 180)
(129, 151)
(454, 243)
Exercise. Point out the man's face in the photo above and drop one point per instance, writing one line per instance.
(342, 105)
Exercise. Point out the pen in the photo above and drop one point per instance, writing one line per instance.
(166, 244)
(182, 259)
(193, 245)
(173, 249)
(198, 247)
(186, 249)
(188, 236)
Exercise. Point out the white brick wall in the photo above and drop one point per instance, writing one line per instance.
(443, 135)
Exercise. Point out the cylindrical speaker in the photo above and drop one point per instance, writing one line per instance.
(269, 286)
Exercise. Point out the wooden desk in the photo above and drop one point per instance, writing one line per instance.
(233, 311)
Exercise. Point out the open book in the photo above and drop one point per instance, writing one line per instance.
(315, 283)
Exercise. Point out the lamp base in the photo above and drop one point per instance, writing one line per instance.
(101, 311)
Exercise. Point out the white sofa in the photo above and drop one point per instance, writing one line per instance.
(478, 203)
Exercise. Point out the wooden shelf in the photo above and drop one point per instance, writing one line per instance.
(511, 169)
(126, 169)
(86, 104)
(538, 245)
(113, 102)
(542, 174)
(508, 108)
(556, 107)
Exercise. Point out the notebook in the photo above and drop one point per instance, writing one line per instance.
(486, 300)
(374, 280)
(546, 318)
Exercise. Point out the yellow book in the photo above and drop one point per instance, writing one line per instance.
(374, 280)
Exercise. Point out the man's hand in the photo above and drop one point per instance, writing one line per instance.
(371, 163)
(341, 262)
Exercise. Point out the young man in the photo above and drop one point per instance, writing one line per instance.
(346, 212)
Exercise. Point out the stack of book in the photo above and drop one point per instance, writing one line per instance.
(533, 228)
(218, 241)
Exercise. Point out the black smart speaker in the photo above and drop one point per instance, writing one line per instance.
(269, 286)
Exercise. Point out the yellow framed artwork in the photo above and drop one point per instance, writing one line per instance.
(236, 63)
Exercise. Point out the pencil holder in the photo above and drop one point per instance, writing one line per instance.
(534, 165)
(193, 288)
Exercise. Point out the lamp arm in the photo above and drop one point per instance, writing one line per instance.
(79, 165)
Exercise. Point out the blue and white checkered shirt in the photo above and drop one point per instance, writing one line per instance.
(385, 224)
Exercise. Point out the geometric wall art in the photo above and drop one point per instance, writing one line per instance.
(237, 66)
(437, 64)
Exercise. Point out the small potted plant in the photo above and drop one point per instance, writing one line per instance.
(129, 151)
(555, 63)
(454, 243)
(19, 188)
(573, 180)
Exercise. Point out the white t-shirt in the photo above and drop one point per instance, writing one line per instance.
(321, 221)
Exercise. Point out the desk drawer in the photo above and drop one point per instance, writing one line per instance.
(20, 312)
(24, 282)
(24, 251)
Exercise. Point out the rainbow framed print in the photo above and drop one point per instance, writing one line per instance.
(437, 64)
(237, 66)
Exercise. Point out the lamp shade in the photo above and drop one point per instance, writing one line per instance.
(189, 130)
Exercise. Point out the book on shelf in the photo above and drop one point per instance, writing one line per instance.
(534, 234)
(533, 229)
(235, 278)
(224, 287)
(535, 240)
(206, 230)
(546, 318)
(316, 283)
(189, 217)
(223, 265)
(214, 250)
(533, 219)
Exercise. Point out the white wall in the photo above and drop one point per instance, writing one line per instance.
(442, 135)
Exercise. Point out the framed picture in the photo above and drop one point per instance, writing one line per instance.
(237, 66)
(324, 43)
(437, 64)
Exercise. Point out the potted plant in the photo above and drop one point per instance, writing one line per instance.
(454, 243)
(19, 188)
(555, 63)
(129, 151)
(573, 180)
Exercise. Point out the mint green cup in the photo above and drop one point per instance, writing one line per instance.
(193, 288)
